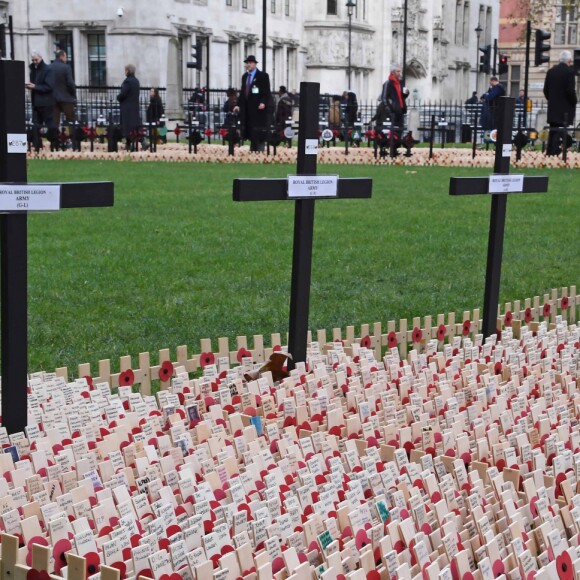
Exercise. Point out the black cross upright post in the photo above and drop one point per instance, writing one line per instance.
(304, 189)
(17, 198)
(500, 184)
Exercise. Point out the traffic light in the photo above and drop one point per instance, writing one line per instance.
(502, 69)
(196, 52)
(542, 47)
(577, 61)
(485, 60)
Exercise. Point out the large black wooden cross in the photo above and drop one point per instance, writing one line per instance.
(304, 188)
(500, 184)
(17, 198)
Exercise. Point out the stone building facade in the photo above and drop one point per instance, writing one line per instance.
(306, 40)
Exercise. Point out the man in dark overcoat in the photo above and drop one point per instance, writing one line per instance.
(42, 97)
(560, 90)
(129, 100)
(253, 101)
(64, 88)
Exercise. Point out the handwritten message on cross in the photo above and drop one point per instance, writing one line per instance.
(304, 189)
(499, 185)
(17, 198)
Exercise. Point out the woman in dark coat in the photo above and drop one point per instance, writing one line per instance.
(155, 109)
(129, 100)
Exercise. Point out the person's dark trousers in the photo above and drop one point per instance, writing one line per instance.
(256, 140)
(554, 139)
(43, 116)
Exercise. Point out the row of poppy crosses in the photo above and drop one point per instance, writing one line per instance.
(417, 333)
(445, 465)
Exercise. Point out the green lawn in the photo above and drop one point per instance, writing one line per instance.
(177, 260)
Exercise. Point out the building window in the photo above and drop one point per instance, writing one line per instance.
(64, 41)
(230, 64)
(273, 6)
(287, 7)
(97, 60)
(466, 23)
(244, 4)
(331, 7)
(291, 68)
(459, 22)
(514, 82)
(566, 28)
(228, 2)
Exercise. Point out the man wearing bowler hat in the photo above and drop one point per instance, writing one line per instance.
(253, 102)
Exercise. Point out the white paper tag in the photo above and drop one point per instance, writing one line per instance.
(311, 146)
(37, 197)
(506, 150)
(16, 142)
(506, 183)
(305, 186)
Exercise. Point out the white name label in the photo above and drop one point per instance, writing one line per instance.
(305, 186)
(16, 142)
(506, 150)
(311, 146)
(506, 183)
(36, 197)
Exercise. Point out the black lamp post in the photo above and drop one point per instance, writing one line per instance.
(264, 40)
(350, 6)
(404, 66)
(478, 32)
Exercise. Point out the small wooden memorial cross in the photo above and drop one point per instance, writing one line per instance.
(500, 184)
(17, 198)
(304, 188)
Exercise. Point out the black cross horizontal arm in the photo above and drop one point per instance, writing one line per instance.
(277, 189)
(97, 194)
(73, 194)
(480, 185)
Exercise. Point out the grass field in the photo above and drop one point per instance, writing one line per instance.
(177, 260)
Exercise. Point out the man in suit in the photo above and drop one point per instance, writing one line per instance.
(64, 88)
(560, 90)
(253, 102)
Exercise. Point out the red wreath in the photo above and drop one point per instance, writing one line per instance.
(166, 371)
(127, 378)
(392, 339)
(206, 358)
(508, 318)
(466, 327)
(564, 303)
(34, 574)
(564, 566)
(546, 310)
(528, 314)
(92, 562)
(208, 132)
(366, 341)
(243, 353)
(441, 332)
(177, 130)
(223, 132)
(417, 334)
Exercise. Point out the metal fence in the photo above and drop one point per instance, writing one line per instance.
(454, 119)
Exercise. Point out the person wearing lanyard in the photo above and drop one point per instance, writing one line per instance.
(253, 102)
